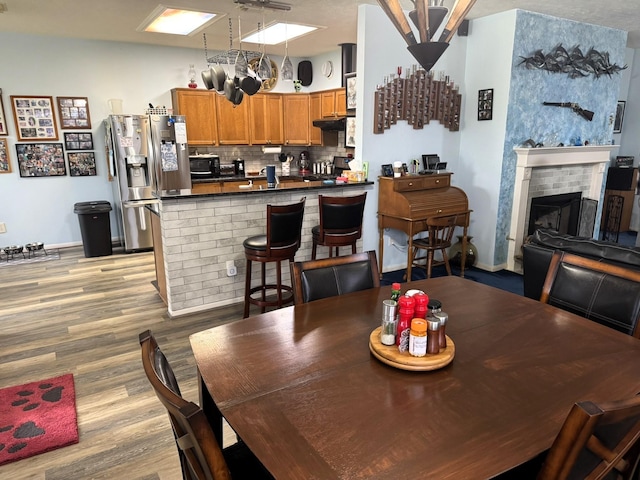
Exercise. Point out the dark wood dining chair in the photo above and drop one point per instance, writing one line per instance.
(201, 456)
(440, 230)
(328, 277)
(596, 440)
(340, 223)
(279, 243)
(605, 293)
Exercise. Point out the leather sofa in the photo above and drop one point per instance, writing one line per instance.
(538, 250)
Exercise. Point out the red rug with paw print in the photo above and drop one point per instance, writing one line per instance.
(37, 417)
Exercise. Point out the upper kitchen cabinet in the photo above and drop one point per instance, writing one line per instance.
(296, 119)
(266, 119)
(334, 103)
(199, 108)
(233, 121)
(315, 112)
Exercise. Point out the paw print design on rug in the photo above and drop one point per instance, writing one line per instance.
(29, 400)
(37, 417)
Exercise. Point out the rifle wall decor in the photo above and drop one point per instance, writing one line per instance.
(586, 114)
(572, 62)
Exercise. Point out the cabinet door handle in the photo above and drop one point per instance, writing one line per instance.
(439, 211)
(437, 181)
(411, 184)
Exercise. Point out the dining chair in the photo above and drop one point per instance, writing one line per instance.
(201, 456)
(440, 231)
(340, 223)
(605, 293)
(596, 441)
(280, 242)
(328, 277)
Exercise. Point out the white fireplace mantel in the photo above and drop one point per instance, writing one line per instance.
(529, 158)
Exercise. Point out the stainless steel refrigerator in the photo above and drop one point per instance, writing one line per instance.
(149, 157)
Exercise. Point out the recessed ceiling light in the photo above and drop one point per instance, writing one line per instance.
(278, 33)
(176, 21)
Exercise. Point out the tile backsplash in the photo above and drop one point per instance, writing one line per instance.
(255, 160)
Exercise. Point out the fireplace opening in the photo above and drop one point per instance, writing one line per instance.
(556, 212)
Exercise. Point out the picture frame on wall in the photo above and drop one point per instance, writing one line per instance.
(3, 118)
(5, 161)
(350, 87)
(350, 132)
(485, 104)
(74, 112)
(41, 160)
(78, 141)
(34, 118)
(82, 164)
(617, 124)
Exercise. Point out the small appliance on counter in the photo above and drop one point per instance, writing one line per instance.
(204, 166)
(305, 163)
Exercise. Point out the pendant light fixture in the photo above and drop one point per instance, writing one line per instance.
(286, 70)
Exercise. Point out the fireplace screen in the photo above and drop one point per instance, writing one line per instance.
(567, 213)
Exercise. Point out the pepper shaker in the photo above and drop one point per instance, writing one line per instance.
(442, 318)
(433, 335)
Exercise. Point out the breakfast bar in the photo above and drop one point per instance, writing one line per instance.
(199, 231)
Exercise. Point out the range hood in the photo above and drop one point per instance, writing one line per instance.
(336, 123)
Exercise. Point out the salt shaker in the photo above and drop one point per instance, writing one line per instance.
(389, 322)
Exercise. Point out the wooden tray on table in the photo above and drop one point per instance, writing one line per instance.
(390, 355)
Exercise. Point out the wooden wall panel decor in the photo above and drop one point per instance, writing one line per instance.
(418, 98)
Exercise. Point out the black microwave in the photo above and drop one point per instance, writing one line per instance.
(204, 166)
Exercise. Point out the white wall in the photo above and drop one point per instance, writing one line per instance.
(482, 142)
(629, 140)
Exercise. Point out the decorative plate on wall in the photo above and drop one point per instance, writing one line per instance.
(269, 83)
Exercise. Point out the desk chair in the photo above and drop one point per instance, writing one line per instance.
(200, 454)
(328, 277)
(596, 440)
(440, 231)
(280, 242)
(605, 293)
(340, 223)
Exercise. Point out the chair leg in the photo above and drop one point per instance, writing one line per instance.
(264, 282)
(353, 248)
(429, 262)
(279, 283)
(313, 249)
(247, 289)
(445, 258)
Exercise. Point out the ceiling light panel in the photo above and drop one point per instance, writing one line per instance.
(177, 21)
(278, 33)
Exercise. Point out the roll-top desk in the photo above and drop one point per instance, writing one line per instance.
(405, 204)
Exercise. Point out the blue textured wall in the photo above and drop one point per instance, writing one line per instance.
(528, 118)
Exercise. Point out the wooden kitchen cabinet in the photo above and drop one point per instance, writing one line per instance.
(315, 112)
(233, 121)
(199, 108)
(296, 119)
(334, 103)
(266, 119)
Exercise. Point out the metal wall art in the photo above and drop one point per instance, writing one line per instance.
(617, 124)
(74, 112)
(572, 62)
(418, 98)
(34, 118)
(5, 163)
(41, 160)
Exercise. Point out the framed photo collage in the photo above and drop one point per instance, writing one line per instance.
(42, 154)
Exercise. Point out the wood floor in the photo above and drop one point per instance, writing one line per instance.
(83, 315)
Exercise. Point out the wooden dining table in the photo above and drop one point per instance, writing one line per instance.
(300, 386)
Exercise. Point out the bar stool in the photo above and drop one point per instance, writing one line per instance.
(340, 223)
(281, 242)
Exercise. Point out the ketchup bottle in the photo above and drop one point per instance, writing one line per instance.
(406, 306)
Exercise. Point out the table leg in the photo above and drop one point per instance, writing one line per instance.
(463, 260)
(210, 410)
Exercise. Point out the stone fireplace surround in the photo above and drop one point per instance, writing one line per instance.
(592, 159)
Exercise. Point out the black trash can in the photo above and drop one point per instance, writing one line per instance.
(94, 227)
